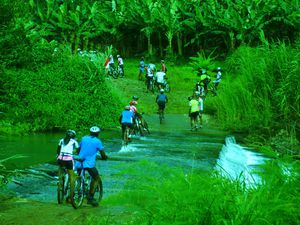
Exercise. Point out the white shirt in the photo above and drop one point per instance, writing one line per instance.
(160, 76)
(120, 61)
(68, 148)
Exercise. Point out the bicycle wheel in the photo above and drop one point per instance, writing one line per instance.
(160, 116)
(79, 190)
(167, 88)
(99, 191)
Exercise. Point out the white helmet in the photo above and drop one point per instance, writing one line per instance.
(95, 129)
(161, 90)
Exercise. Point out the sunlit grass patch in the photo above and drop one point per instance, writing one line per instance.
(158, 194)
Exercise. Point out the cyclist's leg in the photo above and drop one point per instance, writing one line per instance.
(95, 180)
(72, 181)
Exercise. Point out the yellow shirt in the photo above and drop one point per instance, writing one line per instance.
(194, 104)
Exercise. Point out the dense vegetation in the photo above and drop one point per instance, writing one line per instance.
(157, 194)
(41, 77)
(45, 85)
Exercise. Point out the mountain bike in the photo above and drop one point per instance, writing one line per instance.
(150, 84)
(140, 126)
(120, 72)
(63, 187)
(82, 187)
(112, 71)
(166, 86)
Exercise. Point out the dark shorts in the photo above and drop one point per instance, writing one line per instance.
(124, 125)
(161, 105)
(194, 115)
(68, 164)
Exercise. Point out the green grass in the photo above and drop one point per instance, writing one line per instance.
(157, 194)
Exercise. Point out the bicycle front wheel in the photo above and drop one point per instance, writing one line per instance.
(78, 197)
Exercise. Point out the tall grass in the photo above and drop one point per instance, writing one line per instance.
(158, 194)
(261, 88)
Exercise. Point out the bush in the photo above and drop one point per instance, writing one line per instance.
(69, 92)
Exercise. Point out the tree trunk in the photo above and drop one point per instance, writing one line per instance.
(160, 46)
(149, 45)
(179, 43)
(170, 48)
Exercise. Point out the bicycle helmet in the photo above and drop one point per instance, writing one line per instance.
(71, 133)
(203, 71)
(118, 56)
(161, 90)
(95, 129)
(127, 107)
(133, 103)
(135, 97)
(219, 68)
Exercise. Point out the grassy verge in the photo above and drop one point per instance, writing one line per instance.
(163, 195)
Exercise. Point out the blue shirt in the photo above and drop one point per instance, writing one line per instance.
(89, 146)
(127, 116)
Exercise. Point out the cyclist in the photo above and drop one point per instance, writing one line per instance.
(66, 148)
(121, 64)
(142, 68)
(201, 106)
(149, 75)
(202, 84)
(163, 66)
(126, 120)
(194, 112)
(161, 100)
(111, 64)
(218, 78)
(89, 146)
(160, 78)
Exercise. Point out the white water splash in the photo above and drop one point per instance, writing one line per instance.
(237, 163)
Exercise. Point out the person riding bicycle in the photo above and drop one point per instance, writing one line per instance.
(161, 100)
(89, 146)
(160, 77)
(163, 66)
(150, 75)
(121, 64)
(126, 120)
(202, 84)
(218, 78)
(201, 106)
(111, 64)
(141, 68)
(66, 148)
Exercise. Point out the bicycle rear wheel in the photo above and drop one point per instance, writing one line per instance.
(160, 116)
(78, 197)
(99, 191)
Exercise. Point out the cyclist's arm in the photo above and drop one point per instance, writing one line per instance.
(103, 155)
(58, 149)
